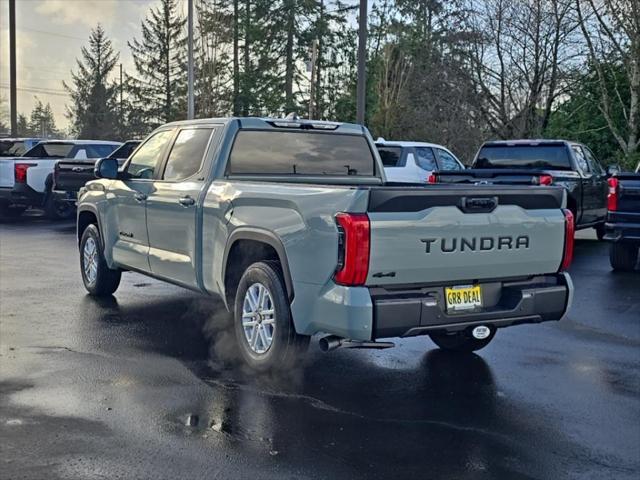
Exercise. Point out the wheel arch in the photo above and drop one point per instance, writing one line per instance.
(87, 215)
(247, 245)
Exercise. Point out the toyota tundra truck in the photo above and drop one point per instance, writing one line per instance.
(293, 225)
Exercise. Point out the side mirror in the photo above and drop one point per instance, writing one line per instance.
(106, 168)
(613, 170)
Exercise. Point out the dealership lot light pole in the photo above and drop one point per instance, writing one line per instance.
(361, 93)
(12, 68)
(190, 103)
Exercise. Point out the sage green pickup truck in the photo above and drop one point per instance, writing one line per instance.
(293, 225)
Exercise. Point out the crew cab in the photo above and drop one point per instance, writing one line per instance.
(293, 225)
(415, 162)
(70, 175)
(623, 220)
(26, 181)
(543, 162)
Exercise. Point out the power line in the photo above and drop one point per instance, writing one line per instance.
(44, 32)
(42, 91)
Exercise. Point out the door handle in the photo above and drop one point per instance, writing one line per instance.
(186, 201)
(140, 197)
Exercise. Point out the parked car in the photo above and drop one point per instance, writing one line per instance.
(543, 162)
(623, 220)
(26, 181)
(415, 162)
(15, 147)
(292, 225)
(70, 175)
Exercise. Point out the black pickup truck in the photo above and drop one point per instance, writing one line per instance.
(70, 175)
(543, 162)
(623, 220)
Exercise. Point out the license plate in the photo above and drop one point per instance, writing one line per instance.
(465, 297)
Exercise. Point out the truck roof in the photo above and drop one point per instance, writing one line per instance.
(401, 143)
(527, 141)
(267, 123)
(81, 142)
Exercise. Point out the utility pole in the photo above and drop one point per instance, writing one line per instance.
(312, 89)
(121, 109)
(361, 93)
(190, 105)
(12, 68)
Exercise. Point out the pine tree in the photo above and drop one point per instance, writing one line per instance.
(93, 112)
(159, 88)
(23, 126)
(41, 122)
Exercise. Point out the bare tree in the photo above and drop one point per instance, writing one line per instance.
(394, 73)
(518, 62)
(611, 30)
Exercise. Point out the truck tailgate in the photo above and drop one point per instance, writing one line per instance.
(629, 193)
(70, 176)
(457, 234)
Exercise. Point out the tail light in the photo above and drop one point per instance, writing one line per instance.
(569, 232)
(545, 179)
(432, 178)
(612, 197)
(20, 171)
(353, 248)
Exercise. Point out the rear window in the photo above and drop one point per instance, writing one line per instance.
(523, 156)
(50, 150)
(300, 153)
(125, 150)
(390, 156)
(10, 148)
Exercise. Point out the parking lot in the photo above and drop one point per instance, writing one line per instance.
(145, 385)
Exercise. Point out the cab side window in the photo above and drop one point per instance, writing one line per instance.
(593, 163)
(145, 161)
(447, 161)
(187, 153)
(580, 159)
(425, 159)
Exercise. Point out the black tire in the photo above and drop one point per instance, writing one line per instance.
(623, 256)
(11, 212)
(106, 280)
(461, 341)
(56, 209)
(600, 231)
(286, 346)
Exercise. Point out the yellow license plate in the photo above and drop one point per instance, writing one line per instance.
(465, 297)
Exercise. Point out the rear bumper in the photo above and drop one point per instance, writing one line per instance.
(622, 227)
(404, 313)
(20, 195)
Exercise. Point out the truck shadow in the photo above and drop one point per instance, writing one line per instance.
(348, 413)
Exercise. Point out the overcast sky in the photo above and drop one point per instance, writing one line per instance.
(49, 36)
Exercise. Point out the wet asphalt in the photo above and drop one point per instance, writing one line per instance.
(147, 385)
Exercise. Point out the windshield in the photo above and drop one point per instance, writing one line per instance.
(554, 157)
(50, 150)
(11, 148)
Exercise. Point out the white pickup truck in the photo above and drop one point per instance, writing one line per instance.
(26, 181)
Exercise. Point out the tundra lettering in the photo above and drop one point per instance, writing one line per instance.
(473, 244)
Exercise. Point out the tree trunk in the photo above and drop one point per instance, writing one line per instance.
(236, 62)
(289, 66)
(247, 59)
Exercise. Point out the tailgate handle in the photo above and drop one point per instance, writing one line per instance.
(478, 204)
